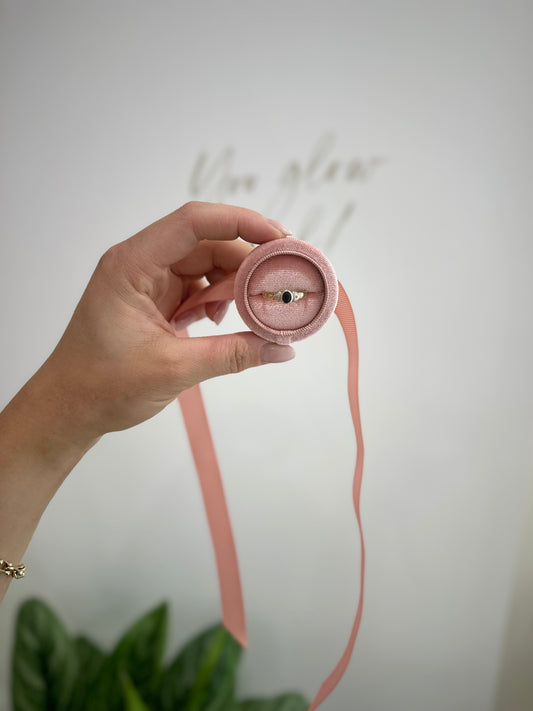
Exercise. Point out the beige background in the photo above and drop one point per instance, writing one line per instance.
(396, 137)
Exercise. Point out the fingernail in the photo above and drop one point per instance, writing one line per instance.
(185, 320)
(220, 311)
(279, 226)
(272, 353)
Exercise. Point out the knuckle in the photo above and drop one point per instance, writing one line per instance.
(112, 261)
(238, 357)
(122, 266)
(166, 364)
(187, 208)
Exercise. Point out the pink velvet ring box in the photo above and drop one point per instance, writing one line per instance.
(285, 290)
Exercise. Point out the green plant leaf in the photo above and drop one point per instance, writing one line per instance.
(44, 664)
(139, 654)
(132, 698)
(90, 662)
(285, 702)
(202, 676)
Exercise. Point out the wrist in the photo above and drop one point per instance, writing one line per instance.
(39, 426)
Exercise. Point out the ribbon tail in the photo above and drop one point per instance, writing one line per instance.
(347, 320)
(205, 459)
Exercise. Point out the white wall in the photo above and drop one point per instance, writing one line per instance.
(107, 108)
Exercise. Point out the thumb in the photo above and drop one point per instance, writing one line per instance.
(209, 356)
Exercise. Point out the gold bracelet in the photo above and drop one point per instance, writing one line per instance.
(12, 571)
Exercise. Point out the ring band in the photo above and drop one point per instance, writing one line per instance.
(285, 296)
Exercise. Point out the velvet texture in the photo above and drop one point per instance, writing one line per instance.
(285, 265)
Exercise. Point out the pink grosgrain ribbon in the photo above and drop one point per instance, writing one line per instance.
(205, 459)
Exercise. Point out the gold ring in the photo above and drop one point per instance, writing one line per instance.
(285, 296)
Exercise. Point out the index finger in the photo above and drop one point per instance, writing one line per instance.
(172, 237)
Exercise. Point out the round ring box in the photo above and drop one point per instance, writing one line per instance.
(286, 290)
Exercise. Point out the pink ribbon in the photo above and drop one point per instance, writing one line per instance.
(205, 459)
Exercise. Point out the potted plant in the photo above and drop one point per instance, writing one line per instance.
(53, 671)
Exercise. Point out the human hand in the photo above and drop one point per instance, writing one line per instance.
(120, 360)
